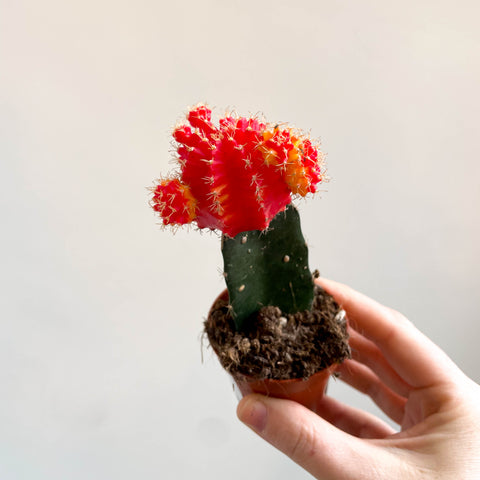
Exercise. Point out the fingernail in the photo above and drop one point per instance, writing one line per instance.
(253, 413)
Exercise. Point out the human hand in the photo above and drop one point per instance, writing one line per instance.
(409, 378)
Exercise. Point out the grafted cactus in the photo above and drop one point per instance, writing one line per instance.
(239, 177)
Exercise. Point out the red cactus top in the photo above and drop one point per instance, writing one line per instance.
(235, 176)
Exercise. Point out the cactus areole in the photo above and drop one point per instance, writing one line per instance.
(239, 177)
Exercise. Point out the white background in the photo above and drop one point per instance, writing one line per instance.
(101, 373)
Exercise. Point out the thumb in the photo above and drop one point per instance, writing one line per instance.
(320, 448)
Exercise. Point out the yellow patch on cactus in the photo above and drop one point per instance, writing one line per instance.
(191, 203)
(270, 156)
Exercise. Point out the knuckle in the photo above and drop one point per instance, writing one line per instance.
(304, 445)
(373, 390)
(398, 317)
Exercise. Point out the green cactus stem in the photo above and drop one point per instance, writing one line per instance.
(268, 268)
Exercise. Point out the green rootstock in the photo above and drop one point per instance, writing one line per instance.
(268, 268)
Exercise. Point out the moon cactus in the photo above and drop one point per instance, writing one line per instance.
(240, 177)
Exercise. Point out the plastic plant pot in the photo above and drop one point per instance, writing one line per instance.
(307, 392)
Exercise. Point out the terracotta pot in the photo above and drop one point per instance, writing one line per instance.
(306, 392)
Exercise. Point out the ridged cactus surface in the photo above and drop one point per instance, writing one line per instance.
(268, 268)
(236, 176)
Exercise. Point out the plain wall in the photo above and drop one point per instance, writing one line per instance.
(101, 372)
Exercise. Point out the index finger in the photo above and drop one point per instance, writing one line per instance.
(415, 357)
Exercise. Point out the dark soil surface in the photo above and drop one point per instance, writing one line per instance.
(282, 346)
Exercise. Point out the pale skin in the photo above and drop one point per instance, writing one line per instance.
(411, 379)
